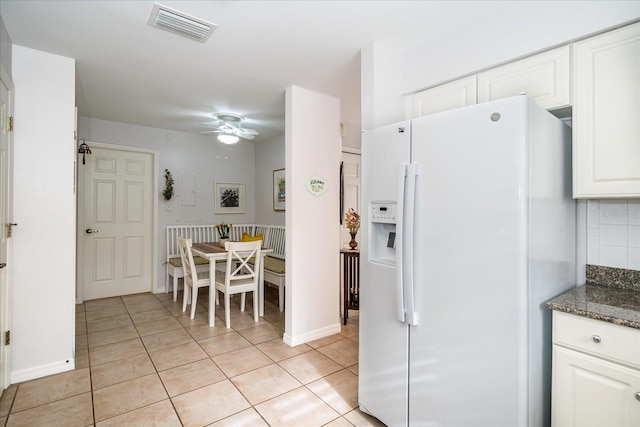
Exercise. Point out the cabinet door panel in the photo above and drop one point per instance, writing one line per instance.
(545, 77)
(456, 94)
(606, 115)
(590, 392)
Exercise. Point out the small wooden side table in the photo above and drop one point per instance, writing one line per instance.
(351, 280)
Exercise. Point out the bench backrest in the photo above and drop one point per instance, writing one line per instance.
(274, 239)
(273, 236)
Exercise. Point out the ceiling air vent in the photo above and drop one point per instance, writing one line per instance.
(179, 23)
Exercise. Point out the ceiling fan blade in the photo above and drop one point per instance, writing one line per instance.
(211, 124)
(249, 137)
(249, 131)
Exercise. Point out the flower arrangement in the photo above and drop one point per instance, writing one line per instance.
(223, 230)
(352, 220)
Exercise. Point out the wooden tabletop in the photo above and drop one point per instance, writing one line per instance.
(215, 248)
(209, 247)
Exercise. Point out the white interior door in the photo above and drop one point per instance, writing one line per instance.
(116, 225)
(351, 175)
(5, 218)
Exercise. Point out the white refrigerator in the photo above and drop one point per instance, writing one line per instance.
(468, 228)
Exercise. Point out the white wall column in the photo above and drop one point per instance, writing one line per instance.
(380, 85)
(312, 148)
(44, 242)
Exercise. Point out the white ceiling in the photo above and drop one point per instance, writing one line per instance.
(130, 72)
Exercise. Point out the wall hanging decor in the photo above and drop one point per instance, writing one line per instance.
(316, 185)
(279, 190)
(168, 183)
(83, 148)
(228, 198)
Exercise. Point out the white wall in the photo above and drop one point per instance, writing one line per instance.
(350, 102)
(312, 146)
(381, 85)
(5, 53)
(44, 242)
(269, 157)
(190, 157)
(613, 233)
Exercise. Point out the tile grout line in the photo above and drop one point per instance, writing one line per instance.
(13, 401)
(93, 403)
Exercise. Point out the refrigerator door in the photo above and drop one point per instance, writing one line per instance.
(383, 364)
(468, 353)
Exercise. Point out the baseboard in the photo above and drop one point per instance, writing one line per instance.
(311, 335)
(42, 371)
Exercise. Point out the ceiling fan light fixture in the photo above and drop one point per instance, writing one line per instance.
(228, 139)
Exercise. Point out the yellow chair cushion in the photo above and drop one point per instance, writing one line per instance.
(198, 260)
(249, 238)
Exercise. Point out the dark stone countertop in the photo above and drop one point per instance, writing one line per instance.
(610, 304)
(610, 294)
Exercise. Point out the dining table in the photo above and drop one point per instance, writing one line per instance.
(214, 251)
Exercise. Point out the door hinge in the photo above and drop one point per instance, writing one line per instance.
(10, 124)
(7, 338)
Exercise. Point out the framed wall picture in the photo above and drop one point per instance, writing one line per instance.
(228, 198)
(279, 190)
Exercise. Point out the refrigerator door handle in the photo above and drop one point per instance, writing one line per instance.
(413, 170)
(402, 174)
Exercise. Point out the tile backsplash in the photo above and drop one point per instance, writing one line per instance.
(613, 233)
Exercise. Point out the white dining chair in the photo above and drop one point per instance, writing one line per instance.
(241, 275)
(192, 282)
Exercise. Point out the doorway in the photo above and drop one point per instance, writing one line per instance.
(351, 190)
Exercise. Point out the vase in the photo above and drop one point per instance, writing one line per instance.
(353, 244)
(222, 241)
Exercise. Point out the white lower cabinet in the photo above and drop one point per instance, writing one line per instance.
(596, 373)
(588, 391)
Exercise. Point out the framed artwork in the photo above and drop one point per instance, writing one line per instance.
(279, 190)
(228, 198)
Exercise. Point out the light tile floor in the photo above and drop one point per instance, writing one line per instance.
(140, 361)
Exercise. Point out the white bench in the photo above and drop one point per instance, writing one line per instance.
(274, 263)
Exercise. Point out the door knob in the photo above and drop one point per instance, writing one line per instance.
(90, 231)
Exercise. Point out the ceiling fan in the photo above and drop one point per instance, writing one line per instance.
(227, 125)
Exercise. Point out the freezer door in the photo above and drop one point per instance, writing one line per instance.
(468, 352)
(383, 364)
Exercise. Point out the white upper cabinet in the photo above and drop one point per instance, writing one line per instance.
(456, 94)
(606, 115)
(545, 77)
